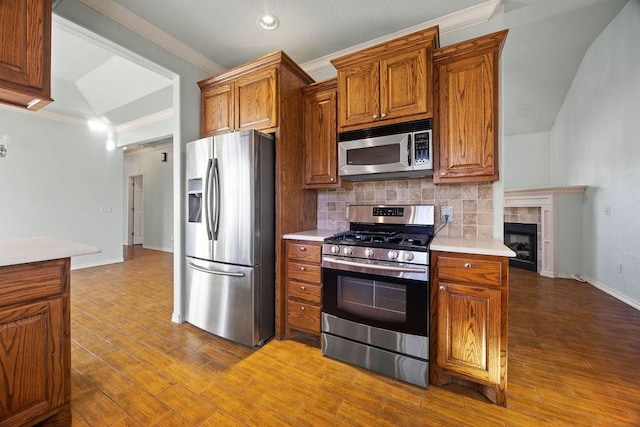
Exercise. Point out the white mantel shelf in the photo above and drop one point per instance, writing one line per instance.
(544, 198)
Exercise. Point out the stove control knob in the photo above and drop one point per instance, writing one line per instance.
(408, 256)
(335, 249)
(347, 250)
(368, 252)
(393, 255)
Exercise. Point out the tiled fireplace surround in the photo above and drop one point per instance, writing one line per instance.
(472, 203)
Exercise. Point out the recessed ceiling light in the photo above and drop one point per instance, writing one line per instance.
(268, 21)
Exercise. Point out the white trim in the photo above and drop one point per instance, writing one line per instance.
(146, 120)
(157, 248)
(617, 295)
(137, 24)
(47, 115)
(95, 264)
(447, 24)
(178, 318)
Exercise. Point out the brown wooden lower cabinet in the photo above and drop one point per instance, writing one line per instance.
(35, 346)
(468, 337)
(304, 287)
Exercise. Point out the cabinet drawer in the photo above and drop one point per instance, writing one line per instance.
(29, 282)
(304, 291)
(470, 270)
(304, 252)
(303, 316)
(304, 272)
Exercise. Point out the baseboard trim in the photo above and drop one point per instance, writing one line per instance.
(75, 266)
(617, 295)
(177, 318)
(156, 248)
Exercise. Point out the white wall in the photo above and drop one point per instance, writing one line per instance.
(55, 178)
(158, 194)
(526, 161)
(596, 142)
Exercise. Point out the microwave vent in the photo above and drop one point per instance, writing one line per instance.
(398, 128)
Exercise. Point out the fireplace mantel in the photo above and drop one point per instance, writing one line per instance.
(546, 199)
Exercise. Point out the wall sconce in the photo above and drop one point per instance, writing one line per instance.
(4, 143)
(163, 157)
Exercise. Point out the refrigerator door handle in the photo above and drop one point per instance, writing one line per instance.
(218, 272)
(216, 178)
(207, 192)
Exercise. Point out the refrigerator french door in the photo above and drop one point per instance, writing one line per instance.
(230, 236)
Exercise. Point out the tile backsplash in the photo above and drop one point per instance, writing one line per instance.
(472, 203)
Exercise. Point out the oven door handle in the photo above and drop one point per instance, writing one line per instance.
(373, 266)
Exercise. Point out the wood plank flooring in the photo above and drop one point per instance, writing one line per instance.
(574, 359)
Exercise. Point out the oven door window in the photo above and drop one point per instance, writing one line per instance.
(389, 303)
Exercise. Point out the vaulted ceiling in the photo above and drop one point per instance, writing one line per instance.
(546, 42)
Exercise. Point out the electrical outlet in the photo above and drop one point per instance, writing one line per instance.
(446, 211)
(619, 268)
(607, 210)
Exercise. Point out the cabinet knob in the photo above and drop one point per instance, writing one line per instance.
(375, 116)
(302, 248)
(443, 173)
(383, 115)
(333, 179)
(301, 308)
(302, 288)
(467, 265)
(301, 268)
(442, 287)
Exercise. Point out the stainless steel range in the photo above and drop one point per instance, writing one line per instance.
(375, 290)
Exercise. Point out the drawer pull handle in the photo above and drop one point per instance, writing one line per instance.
(301, 308)
(302, 288)
(301, 268)
(302, 248)
(467, 265)
(442, 287)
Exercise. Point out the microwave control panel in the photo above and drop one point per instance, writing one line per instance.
(422, 151)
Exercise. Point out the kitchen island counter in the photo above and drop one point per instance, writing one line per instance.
(33, 249)
(477, 246)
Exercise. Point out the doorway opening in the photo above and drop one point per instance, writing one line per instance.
(135, 221)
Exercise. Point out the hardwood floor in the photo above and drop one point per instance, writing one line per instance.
(574, 359)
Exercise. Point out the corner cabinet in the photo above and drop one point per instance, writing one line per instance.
(387, 83)
(304, 287)
(266, 95)
(466, 113)
(35, 355)
(25, 53)
(320, 135)
(468, 336)
(245, 102)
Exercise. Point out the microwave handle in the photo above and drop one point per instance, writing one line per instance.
(409, 150)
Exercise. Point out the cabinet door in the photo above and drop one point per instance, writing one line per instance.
(467, 120)
(403, 85)
(31, 361)
(320, 140)
(25, 56)
(469, 331)
(256, 103)
(217, 110)
(360, 85)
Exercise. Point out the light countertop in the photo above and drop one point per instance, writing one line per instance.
(33, 249)
(315, 235)
(477, 246)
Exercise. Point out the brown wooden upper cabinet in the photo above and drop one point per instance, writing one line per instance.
(25, 53)
(387, 83)
(239, 100)
(466, 114)
(320, 135)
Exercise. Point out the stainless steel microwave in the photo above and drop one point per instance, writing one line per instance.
(395, 151)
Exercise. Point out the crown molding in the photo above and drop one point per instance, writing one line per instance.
(448, 24)
(145, 121)
(135, 23)
(44, 114)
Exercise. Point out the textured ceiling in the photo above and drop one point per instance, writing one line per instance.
(226, 31)
(546, 43)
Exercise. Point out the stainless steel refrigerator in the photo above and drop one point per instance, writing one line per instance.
(230, 236)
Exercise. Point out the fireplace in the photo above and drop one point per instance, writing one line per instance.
(522, 239)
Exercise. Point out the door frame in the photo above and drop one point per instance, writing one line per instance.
(131, 208)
